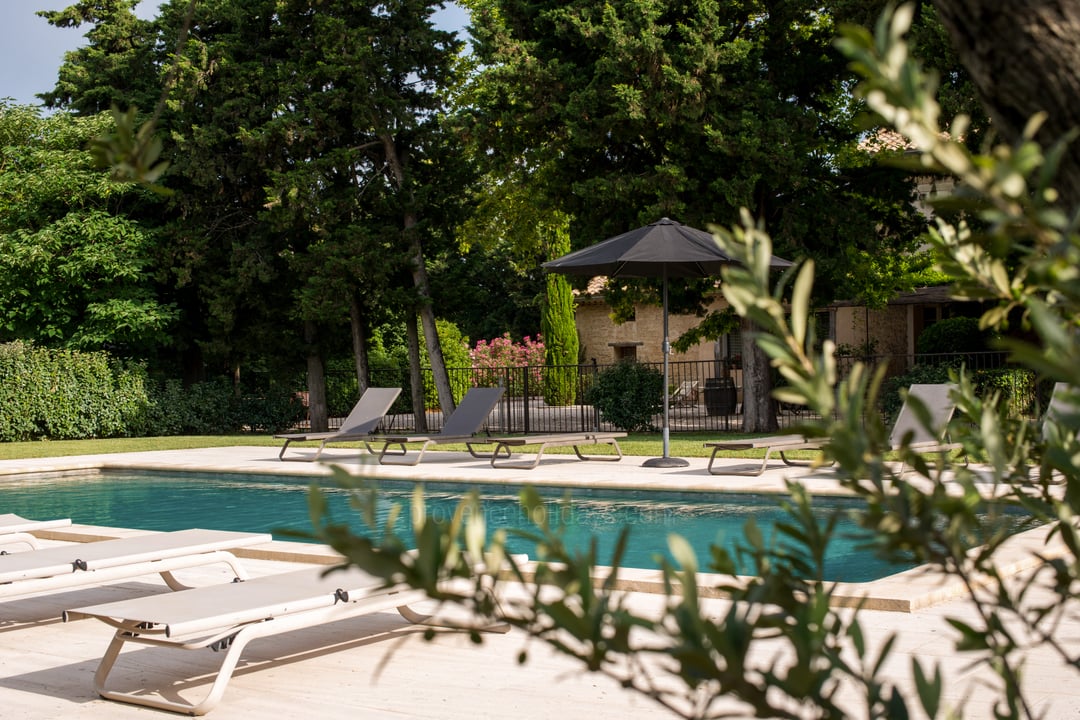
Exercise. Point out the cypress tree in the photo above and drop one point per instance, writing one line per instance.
(557, 324)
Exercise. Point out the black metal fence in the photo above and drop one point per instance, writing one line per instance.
(703, 396)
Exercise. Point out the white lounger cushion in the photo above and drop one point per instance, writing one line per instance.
(218, 607)
(12, 523)
(77, 564)
(16, 530)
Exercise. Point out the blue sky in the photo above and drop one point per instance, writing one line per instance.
(31, 50)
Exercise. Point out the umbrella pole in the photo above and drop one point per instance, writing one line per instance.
(666, 461)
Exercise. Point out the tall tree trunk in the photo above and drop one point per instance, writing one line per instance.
(316, 380)
(359, 343)
(427, 321)
(758, 414)
(1024, 57)
(397, 159)
(416, 377)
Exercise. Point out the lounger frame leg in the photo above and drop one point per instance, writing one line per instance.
(484, 455)
(385, 451)
(601, 458)
(795, 463)
(743, 473)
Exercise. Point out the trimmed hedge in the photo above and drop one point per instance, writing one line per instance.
(1016, 385)
(72, 395)
(67, 394)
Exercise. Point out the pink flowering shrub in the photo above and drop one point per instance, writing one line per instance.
(501, 359)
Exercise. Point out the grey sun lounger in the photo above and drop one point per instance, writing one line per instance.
(934, 397)
(1059, 411)
(502, 457)
(780, 443)
(68, 566)
(461, 426)
(227, 617)
(16, 530)
(360, 424)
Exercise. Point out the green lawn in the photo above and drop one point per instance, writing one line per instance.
(645, 444)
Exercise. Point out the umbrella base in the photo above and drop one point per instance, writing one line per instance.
(665, 462)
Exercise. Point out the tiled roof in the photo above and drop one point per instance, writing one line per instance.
(884, 139)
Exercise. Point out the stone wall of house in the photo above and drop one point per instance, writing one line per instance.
(888, 328)
(604, 341)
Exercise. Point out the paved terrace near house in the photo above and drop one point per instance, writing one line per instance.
(378, 667)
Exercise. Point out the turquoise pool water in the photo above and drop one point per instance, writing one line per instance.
(262, 503)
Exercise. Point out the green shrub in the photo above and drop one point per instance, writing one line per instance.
(953, 335)
(273, 411)
(628, 395)
(1017, 388)
(18, 394)
(204, 408)
(342, 390)
(1016, 385)
(455, 350)
(68, 394)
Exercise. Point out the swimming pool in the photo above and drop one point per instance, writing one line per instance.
(272, 503)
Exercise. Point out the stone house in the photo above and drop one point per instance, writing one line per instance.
(892, 330)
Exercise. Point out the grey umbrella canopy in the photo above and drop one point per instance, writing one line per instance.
(663, 249)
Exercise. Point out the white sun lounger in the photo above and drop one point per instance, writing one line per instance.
(16, 530)
(227, 617)
(781, 443)
(934, 397)
(78, 564)
(501, 457)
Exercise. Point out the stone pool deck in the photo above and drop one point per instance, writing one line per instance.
(378, 666)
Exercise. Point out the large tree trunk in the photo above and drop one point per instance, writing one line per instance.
(427, 321)
(397, 159)
(1024, 57)
(359, 343)
(758, 414)
(316, 380)
(416, 377)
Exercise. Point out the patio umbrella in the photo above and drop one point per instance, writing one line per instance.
(664, 249)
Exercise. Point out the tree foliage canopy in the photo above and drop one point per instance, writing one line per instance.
(76, 250)
(630, 112)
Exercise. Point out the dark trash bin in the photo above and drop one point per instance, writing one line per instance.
(720, 396)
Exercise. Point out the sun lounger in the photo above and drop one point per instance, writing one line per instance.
(502, 454)
(362, 421)
(16, 530)
(227, 617)
(1059, 411)
(461, 426)
(780, 443)
(920, 438)
(685, 395)
(934, 397)
(78, 564)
